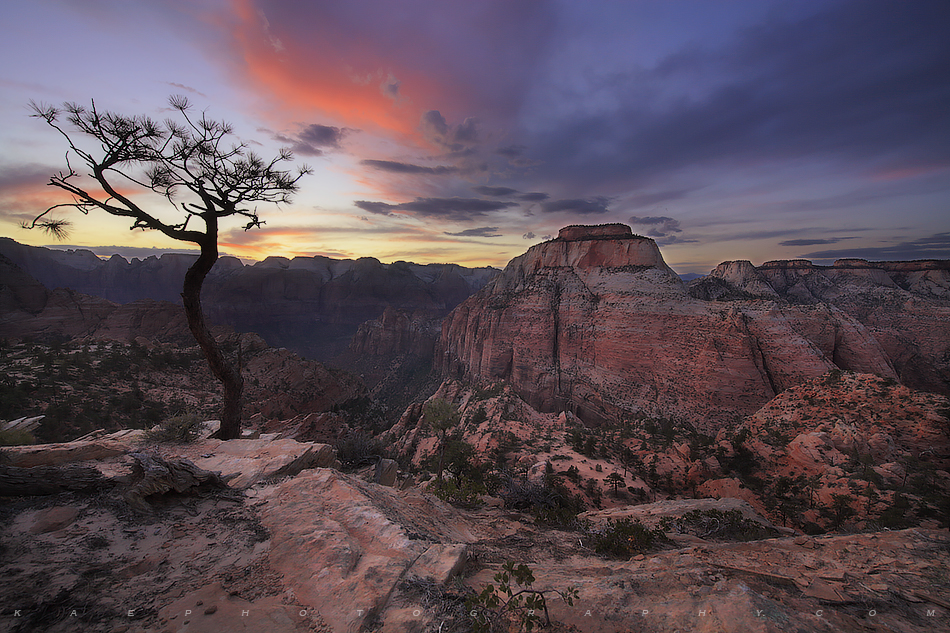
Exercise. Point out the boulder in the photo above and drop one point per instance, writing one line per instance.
(245, 462)
(386, 472)
(55, 518)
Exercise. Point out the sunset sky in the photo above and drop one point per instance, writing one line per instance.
(467, 131)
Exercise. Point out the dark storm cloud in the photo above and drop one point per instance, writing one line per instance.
(467, 131)
(815, 242)
(456, 209)
(862, 80)
(495, 192)
(321, 135)
(313, 138)
(454, 138)
(390, 87)
(935, 246)
(433, 123)
(580, 206)
(397, 167)
(484, 231)
(453, 206)
(379, 208)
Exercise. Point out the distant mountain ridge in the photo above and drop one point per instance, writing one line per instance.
(313, 305)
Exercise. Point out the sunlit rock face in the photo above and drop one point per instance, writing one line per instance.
(595, 322)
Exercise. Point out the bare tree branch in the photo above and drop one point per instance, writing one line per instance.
(192, 158)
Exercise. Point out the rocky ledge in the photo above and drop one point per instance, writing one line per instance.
(322, 551)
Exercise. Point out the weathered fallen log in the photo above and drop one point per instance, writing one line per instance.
(49, 480)
(31, 455)
(153, 475)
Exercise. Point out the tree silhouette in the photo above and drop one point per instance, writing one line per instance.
(192, 158)
(840, 510)
(615, 480)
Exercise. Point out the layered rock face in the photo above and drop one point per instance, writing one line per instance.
(904, 305)
(313, 305)
(595, 322)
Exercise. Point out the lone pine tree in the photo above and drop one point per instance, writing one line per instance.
(201, 173)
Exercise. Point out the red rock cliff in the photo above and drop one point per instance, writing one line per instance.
(597, 323)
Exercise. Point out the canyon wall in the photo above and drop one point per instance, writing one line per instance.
(595, 322)
(313, 305)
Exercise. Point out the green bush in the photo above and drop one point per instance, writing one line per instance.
(478, 417)
(357, 449)
(514, 601)
(833, 377)
(491, 391)
(180, 429)
(840, 510)
(462, 492)
(624, 538)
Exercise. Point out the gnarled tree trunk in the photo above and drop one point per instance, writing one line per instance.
(229, 376)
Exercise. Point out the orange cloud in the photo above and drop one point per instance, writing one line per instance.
(311, 76)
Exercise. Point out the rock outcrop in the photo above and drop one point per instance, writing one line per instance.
(347, 546)
(595, 322)
(281, 385)
(27, 308)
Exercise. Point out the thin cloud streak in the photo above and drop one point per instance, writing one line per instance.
(397, 167)
(936, 246)
(484, 231)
